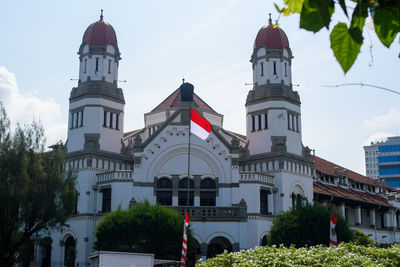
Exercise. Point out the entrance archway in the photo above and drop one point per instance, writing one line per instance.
(45, 243)
(217, 246)
(70, 252)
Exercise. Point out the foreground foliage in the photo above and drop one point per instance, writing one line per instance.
(144, 228)
(347, 38)
(306, 225)
(35, 193)
(346, 254)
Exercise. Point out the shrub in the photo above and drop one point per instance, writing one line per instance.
(306, 225)
(361, 239)
(346, 254)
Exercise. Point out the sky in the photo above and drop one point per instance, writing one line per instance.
(209, 43)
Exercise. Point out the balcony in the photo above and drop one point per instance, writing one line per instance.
(256, 177)
(235, 213)
(115, 176)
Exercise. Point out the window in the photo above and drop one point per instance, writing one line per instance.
(293, 121)
(259, 122)
(288, 120)
(76, 119)
(183, 192)
(81, 124)
(262, 68)
(84, 71)
(253, 123)
(274, 67)
(164, 192)
(297, 123)
(117, 121)
(105, 119)
(207, 192)
(111, 119)
(264, 201)
(285, 69)
(109, 66)
(106, 206)
(266, 121)
(72, 120)
(97, 64)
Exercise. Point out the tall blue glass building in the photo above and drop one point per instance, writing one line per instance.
(389, 161)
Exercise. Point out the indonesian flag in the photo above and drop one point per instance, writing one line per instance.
(332, 232)
(184, 241)
(198, 125)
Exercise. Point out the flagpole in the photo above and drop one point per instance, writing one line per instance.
(188, 181)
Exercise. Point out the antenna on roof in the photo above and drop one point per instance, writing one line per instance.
(101, 15)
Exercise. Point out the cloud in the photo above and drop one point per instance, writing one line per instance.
(377, 137)
(23, 108)
(389, 119)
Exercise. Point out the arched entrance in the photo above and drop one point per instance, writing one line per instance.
(70, 252)
(217, 246)
(264, 240)
(45, 243)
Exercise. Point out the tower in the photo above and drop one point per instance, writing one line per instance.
(96, 106)
(273, 121)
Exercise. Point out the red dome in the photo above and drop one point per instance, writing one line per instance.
(271, 38)
(100, 33)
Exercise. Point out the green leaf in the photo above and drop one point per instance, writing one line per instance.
(316, 14)
(387, 24)
(294, 6)
(360, 13)
(343, 5)
(344, 47)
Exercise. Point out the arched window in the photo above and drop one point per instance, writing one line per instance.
(164, 192)
(183, 192)
(207, 192)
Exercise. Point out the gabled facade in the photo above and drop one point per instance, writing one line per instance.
(235, 184)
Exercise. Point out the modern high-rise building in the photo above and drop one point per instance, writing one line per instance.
(371, 161)
(382, 161)
(389, 161)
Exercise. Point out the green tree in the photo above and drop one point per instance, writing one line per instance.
(144, 228)
(306, 225)
(346, 38)
(35, 193)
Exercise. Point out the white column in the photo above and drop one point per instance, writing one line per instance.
(342, 210)
(174, 200)
(394, 218)
(196, 200)
(357, 213)
(372, 217)
(270, 204)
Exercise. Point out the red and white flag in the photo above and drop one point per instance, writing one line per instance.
(198, 125)
(184, 241)
(332, 234)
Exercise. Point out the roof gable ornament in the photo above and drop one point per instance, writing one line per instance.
(101, 15)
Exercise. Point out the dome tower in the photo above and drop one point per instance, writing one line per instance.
(97, 104)
(273, 108)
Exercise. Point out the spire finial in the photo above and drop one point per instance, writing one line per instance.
(101, 15)
(270, 19)
(183, 80)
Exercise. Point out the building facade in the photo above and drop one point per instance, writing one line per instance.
(382, 160)
(237, 183)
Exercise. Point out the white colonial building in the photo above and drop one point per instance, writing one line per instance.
(237, 184)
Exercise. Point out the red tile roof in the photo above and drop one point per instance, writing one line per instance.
(174, 100)
(349, 194)
(327, 167)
